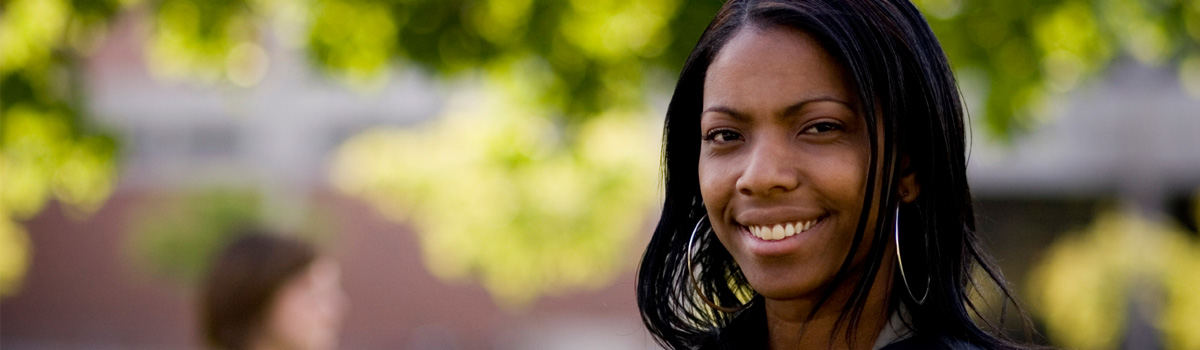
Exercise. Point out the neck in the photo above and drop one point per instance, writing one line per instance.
(790, 327)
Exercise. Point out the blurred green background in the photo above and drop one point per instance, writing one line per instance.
(535, 173)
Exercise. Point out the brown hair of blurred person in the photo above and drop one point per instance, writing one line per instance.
(267, 291)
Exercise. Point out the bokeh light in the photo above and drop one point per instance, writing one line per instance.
(194, 39)
(14, 255)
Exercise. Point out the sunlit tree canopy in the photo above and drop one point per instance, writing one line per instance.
(1021, 52)
(47, 150)
(501, 195)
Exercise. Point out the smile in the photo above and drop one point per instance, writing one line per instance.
(781, 230)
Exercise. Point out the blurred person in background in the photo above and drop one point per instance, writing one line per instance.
(816, 191)
(265, 291)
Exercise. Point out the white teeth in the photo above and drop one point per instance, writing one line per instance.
(780, 231)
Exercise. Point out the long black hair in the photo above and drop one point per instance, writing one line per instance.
(904, 80)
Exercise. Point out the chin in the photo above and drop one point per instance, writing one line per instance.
(786, 292)
(783, 288)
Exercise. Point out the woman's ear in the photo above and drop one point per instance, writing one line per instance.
(908, 187)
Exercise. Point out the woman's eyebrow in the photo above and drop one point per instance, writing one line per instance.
(726, 110)
(786, 111)
(795, 107)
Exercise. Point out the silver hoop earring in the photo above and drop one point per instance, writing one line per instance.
(692, 275)
(928, 279)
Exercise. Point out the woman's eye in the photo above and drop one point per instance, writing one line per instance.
(821, 128)
(722, 135)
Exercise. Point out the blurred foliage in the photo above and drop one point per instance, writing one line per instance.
(583, 58)
(563, 67)
(176, 237)
(42, 159)
(1021, 52)
(501, 194)
(14, 255)
(1083, 288)
(47, 149)
(209, 41)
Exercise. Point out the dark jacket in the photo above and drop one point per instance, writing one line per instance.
(748, 331)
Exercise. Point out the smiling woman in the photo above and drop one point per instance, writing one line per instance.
(798, 136)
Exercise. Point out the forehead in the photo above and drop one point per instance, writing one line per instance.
(765, 69)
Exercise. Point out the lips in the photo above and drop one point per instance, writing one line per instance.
(778, 231)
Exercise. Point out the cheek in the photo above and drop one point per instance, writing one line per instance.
(709, 183)
(717, 185)
(330, 307)
(287, 316)
(841, 173)
(841, 179)
(296, 318)
(844, 181)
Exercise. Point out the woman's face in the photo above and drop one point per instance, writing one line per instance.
(308, 310)
(783, 160)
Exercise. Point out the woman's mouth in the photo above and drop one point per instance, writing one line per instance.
(778, 231)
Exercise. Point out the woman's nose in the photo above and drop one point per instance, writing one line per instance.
(770, 170)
